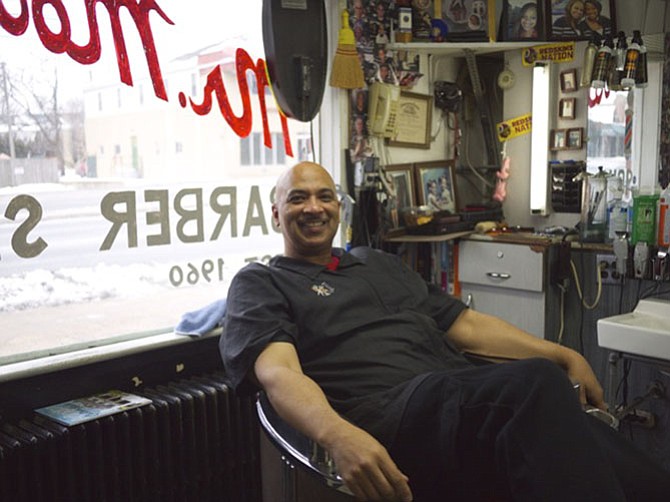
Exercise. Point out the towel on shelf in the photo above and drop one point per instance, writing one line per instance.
(201, 321)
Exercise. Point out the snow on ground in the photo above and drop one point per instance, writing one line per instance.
(45, 288)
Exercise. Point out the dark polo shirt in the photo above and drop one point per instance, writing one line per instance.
(367, 333)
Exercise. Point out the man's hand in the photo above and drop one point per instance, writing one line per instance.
(363, 463)
(590, 390)
(472, 333)
(367, 468)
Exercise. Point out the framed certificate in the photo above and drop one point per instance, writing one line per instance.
(413, 121)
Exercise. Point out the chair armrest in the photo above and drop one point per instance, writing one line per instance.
(481, 360)
(297, 446)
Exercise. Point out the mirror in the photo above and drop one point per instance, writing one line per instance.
(636, 162)
(606, 128)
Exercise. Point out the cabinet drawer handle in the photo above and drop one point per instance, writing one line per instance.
(498, 275)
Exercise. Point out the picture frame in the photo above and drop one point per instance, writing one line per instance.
(569, 80)
(436, 185)
(567, 108)
(558, 139)
(564, 20)
(575, 138)
(413, 119)
(521, 20)
(399, 181)
(463, 20)
(359, 103)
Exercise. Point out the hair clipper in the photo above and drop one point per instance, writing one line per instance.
(641, 260)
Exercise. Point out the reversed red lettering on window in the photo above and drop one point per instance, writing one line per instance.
(139, 10)
(241, 125)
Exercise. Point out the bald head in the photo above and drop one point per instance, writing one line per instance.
(302, 169)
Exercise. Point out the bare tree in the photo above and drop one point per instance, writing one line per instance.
(35, 99)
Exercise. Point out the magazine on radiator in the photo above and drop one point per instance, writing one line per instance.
(85, 409)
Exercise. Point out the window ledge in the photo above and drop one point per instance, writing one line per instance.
(67, 360)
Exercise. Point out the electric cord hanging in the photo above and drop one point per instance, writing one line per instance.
(561, 327)
(579, 289)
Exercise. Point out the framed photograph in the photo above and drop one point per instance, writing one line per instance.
(398, 181)
(579, 19)
(558, 139)
(359, 103)
(413, 121)
(566, 108)
(465, 20)
(522, 20)
(435, 185)
(575, 138)
(569, 80)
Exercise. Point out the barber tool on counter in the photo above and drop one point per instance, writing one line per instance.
(593, 219)
(617, 208)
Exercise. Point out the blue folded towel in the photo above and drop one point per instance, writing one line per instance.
(201, 321)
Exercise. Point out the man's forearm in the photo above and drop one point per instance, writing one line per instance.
(361, 460)
(486, 335)
(490, 336)
(303, 405)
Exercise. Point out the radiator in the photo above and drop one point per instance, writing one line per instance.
(197, 441)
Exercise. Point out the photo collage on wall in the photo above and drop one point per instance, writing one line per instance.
(372, 22)
(664, 169)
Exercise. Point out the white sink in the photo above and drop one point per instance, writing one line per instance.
(645, 331)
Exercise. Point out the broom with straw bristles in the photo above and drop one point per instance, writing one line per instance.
(347, 72)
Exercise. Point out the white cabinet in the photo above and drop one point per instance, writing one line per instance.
(507, 281)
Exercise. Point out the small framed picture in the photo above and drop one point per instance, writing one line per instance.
(398, 181)
(569, 80)
(522, 20)
(558, 139)
(566, 108)
(579, 19)
(575, 138)
(466, 20)
(359, 103)
(436, 186)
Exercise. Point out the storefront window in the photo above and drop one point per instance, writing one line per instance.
(125, 200)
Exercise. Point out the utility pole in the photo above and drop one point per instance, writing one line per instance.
(8, 113)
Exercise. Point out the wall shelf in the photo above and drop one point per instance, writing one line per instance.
(459, 48)
(429, 238)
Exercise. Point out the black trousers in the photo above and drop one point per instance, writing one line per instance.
(516, 431)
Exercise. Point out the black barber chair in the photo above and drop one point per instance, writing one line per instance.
(294, 468)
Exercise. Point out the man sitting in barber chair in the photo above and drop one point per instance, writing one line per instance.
(358, 353)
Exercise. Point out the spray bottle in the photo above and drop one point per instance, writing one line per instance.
(619, 62)
(589, 60)
(663, 218)
(601, 65)
(632, 61)
(641, 77)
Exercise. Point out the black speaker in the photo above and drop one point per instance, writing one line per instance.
(448, 96)
(296, 54)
